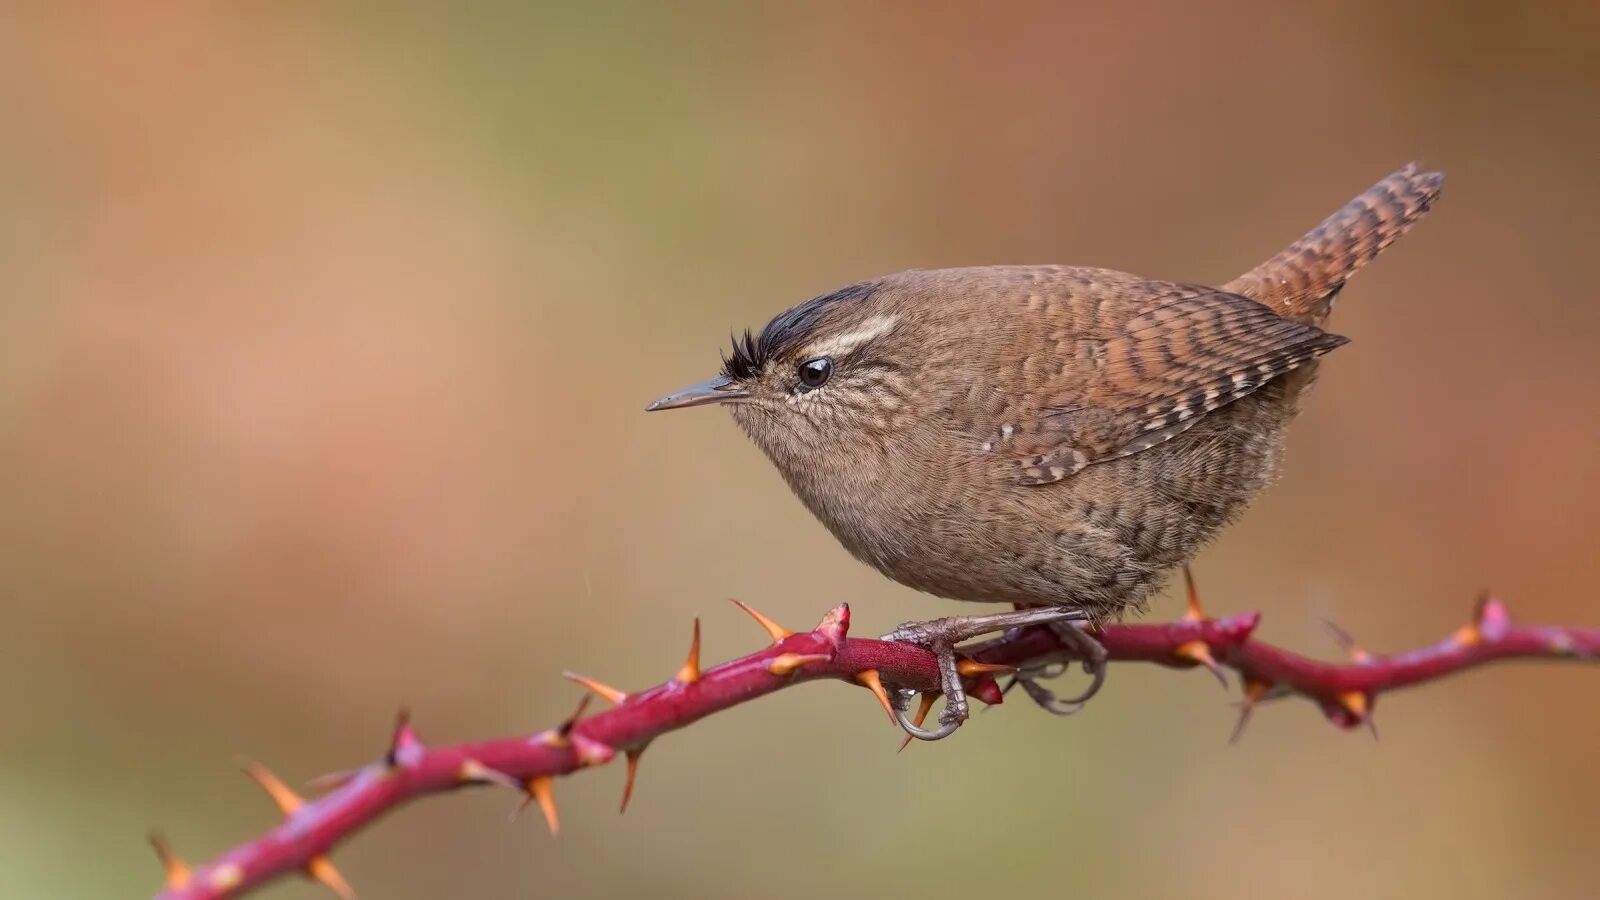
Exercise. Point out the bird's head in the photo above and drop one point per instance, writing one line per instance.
(821, 378)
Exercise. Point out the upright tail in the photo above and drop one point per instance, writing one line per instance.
(1302, 280)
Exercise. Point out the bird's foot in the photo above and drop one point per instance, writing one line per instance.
(942, 635)
(1082, 646)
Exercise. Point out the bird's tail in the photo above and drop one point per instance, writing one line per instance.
(1301, 281)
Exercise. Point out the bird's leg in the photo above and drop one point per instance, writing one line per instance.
(942, 635)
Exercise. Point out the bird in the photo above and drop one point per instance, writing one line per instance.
(1056, 438)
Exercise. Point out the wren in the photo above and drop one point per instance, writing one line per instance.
(1052, 437)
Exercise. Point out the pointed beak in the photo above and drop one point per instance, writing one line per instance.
(720, 389)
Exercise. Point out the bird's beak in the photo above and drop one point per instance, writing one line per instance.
(720, 389)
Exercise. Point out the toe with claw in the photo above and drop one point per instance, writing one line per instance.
(942, 635)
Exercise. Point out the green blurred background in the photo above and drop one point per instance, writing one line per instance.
(324, 342)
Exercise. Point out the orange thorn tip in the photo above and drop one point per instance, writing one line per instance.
(633, 773)
(924, 705)
(969, 667)
(285, 799)
(1355, 703)
(474, 772)
(1468, 635)
(606, 691)
(774, 630)
(178, 873)
(870, 680)
(320, 869)
(1255, 690)
(1194, 613)
(539, 791)
(789, 663)
(690, 673)
(1199, 653)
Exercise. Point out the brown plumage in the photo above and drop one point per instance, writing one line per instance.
(1047, 434)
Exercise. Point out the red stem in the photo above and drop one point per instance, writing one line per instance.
(1346, 693)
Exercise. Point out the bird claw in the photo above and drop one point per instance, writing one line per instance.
(1047, 700)
(1094, 662)
(900, 706)
(942, 635)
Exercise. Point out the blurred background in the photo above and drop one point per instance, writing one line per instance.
(325, 336)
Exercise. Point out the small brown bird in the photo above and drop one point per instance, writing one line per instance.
(1052, 437)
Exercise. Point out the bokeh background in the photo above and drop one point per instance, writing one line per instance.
(324, 339)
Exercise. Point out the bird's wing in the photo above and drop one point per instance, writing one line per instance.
(1180, 355)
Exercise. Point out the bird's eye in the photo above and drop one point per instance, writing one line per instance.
(814, 373)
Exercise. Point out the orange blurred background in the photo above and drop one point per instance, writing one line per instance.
(325, 338)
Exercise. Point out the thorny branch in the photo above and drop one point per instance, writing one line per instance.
(1345, 692)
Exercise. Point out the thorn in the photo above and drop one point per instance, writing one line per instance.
(606, 691)
(924, 704)
(690, 673)
(1199, 652)
(332, 781)
(1254, 691)
(1358, 706)
(561, 735)
(1011, 683)
(591, 752)
(177, 871)
(1354, 703)
(1193, 613)
(1245, 709)
(404, 742)
(1357, 655)
(788, 663)
(969, 667)
(870, 680)
(774, 630)
(474, 772)
(1492, 617)
(987, 690)
(633, 772)
(577, 713)
(835, 625)
(1249, 621)
(321, 870)
(285, 799)
(539, 792)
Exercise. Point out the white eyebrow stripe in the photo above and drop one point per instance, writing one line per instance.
(875, 327)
